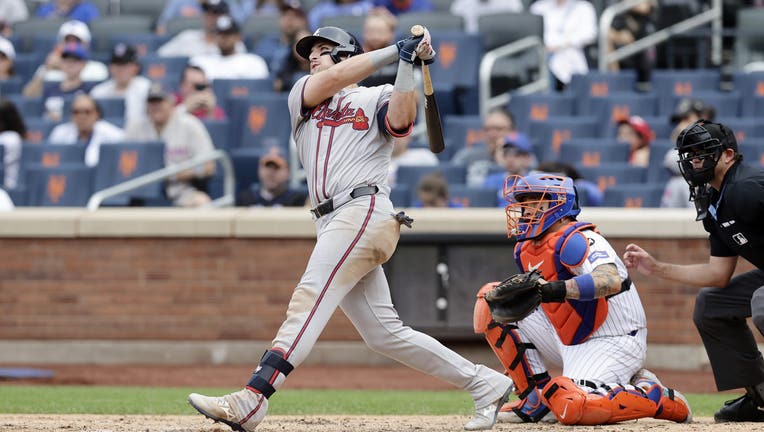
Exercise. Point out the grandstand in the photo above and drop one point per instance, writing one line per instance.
(576, 125)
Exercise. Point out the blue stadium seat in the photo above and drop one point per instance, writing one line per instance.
(409, 175)
(473, 196)
(241, 88)
(548, 135)
(751, 88)
(112, 107)
(12, 85)
(261, 121)
(49, 155)
(27, 106)
(219, 131)
(27, 30)
(607, 175)
(671, 84)
(745, 128)
(586, 153)
(26, 64)
(634, 195)
(246, 163)
(44, 43)
(38, 128)
(120, 162)
(66, 185)
(460, 132)
(458, 58)
(616, 106)
(539, 107)
(725, 103)
(656, 172)
(18, 196)
(753, 152)
(400, 195)
(599, 84)
(159, 68)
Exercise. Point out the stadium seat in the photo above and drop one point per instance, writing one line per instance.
(18, 196)
(219, 131)
(434, 21)
(669, 85)
(749, 41)
(619, 105)
(751, 87)
(112, 107)
(38, 129)
(66, 185)
(634, 195)
(607, 175)
(599, 84)
(400, 195)
(473, 196)
(26, 65)
(725, 103)
(656, 171)
(548, 135)
(105, 26)
(745, 128)
(159, 68)
(228, 88)
(246, 163)
(27, 106)
(409, 175)
(148, 8)
(49, 155)
(539, 107)
(177, 25)
(500, 29)
(120, 162)
(257, 26)
(753, 152)
(460, 132)
(28, 29)
(261, 121)
(12, 85)
(458, 59)
(586, 153)
(351, 23)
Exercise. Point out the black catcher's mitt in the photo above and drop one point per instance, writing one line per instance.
(515, 297)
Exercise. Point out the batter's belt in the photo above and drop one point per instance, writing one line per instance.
(338, 201)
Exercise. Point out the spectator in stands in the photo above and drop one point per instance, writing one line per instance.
(397, 7)
(432, 191)
(70, 31)
(202, 41)
(276, 49)
(687, 112)
(404, 155)
(74, 56)
(379, 32)
(79, 10)
(196, 95)
(569, 26)
(333, 8)
(239, 10)
(229, 64)
(636, 133)
(517, 158)
(472, 10)
(293, 67)
(185, 138)
(86, 128)
(11, 12)
(12, 133)
(676, 193)
(628, 27)
(589, 194)
(481, 158)
(273, 189)
(7, 57)
(125, 83)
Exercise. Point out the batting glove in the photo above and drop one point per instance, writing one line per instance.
(416, 49)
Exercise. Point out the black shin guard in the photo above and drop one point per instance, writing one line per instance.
(271, 364)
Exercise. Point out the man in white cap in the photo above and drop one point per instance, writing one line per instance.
(7, 57)
(126, 82)
(70, 31)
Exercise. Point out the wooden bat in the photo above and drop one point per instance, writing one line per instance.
(432, 115)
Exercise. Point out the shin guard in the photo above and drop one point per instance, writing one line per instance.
(271, 364)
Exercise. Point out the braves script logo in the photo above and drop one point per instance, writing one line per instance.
(347, 114)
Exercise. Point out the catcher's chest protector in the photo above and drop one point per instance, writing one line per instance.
(574, 320)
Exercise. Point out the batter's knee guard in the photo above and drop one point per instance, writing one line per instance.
(574, 406)
(505, 343)
(271, 365)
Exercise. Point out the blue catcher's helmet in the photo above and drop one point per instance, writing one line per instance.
(536, 202)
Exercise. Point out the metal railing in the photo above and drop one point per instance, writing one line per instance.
(712, 15)
(156, 176)
(487, 102)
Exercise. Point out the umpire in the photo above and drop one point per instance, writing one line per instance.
(729, 198)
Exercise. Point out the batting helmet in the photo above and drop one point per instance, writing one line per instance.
(537, 201)
(345, 43)
(704, 141)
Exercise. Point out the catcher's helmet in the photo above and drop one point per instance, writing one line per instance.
(705, 141)
(346, 43)
(526, 218)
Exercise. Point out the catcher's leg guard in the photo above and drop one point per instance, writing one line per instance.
(572, 405)
(530, 409)
(506, 344)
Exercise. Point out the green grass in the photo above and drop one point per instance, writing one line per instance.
(155, 401)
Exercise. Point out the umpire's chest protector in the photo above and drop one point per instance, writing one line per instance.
(567, 248)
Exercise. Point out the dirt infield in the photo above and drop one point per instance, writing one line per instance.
(94, 423)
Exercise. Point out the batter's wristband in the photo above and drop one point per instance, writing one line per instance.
(404, 80)
(383, 56)
(585, 286)
(553, 292)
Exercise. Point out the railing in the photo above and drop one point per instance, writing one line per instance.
(156, 176)
(713, 15)
(487, 102)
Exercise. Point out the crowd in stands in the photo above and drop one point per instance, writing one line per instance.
(209, 74)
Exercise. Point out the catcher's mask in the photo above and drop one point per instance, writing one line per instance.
(536, 202)
(703, 141)
(346, 45)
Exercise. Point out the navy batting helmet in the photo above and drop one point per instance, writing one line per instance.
(346, 43)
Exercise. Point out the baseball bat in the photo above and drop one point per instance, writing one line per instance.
(432, 115)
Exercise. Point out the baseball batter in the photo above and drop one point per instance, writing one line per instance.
(344, 138)
(590, 322)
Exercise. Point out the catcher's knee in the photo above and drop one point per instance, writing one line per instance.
(573, 405)
(481, 316)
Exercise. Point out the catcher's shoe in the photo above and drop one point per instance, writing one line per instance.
(528, 410)
(485, 417)
(672, 405)
(242, 410)
(742, 409)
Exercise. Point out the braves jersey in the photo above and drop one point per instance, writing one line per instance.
(341, 143)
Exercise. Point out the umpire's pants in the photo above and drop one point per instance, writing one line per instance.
(720, 317)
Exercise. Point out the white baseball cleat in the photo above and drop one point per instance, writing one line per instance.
(485, 417)
(242, 410)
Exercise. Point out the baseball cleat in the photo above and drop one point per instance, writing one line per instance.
(242, 410)
(485, 417)
(672, 405)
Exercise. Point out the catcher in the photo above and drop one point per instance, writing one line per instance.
(590, 320)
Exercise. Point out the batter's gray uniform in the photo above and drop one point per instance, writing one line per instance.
(344, 144)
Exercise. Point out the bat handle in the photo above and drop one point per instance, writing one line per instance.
(427, 80)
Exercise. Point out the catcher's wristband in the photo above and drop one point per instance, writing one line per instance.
(553, 292)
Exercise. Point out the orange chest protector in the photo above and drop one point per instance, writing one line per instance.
(574, 320)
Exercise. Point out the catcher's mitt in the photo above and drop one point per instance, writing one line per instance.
(515, 297)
